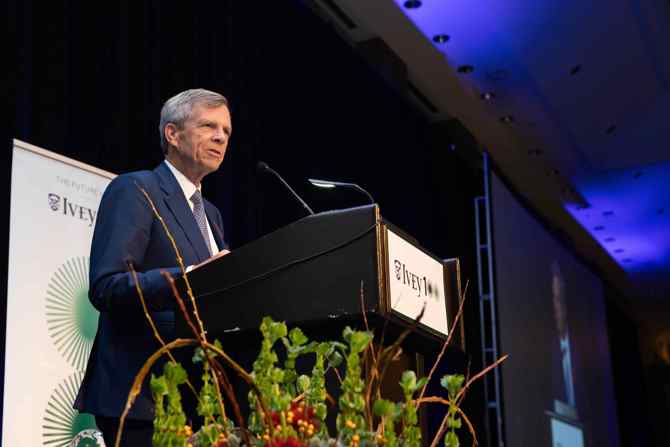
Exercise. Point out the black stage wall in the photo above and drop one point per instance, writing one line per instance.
(91, 78)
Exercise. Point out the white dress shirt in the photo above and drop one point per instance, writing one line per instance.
(189, 188)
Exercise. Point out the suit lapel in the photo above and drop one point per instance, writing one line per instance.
(176, 203)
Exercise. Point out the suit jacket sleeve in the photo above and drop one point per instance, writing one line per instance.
(122, 234)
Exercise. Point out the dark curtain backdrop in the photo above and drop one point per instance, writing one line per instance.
(90, 79)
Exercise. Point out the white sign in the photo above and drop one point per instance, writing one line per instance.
(50, 321)
(415, 279)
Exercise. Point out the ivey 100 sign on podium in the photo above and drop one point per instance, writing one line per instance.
(416, 279)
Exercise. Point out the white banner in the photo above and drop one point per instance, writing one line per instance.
(50, 321)
(415, 279)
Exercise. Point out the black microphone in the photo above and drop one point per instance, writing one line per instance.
(263, 167)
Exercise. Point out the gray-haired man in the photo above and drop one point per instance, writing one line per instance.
(195, 129)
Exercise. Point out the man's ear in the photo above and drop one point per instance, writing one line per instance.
(171, 134)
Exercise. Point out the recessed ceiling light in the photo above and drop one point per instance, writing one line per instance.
(576, 69)
(507, 119)
(660, 211)
(619, 250)
(610, 130)
(535, 152)
(608, 213)
(610, 239)
(412, 4)
(637, 175)
(441, 38)
(488, 96)
(465, 69)
(627, 260)
(598, 228)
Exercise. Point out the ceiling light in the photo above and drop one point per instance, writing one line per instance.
(535, 152)
(660, 211)
(637, 175)
(610, 130)
(576, 69)
(488, 96)
(598, 228)
(465, 69)
(507, 119)
(441, 38)
(412, 4)
(610, 239)
(608, 213)
(619, 250)
(627, 260)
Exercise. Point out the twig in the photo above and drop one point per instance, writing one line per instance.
(479, 375)
(441, 431)
(139, 378)
(200, 339)
(447, 342)
(180, 260)
(152, 323)
(388, 354)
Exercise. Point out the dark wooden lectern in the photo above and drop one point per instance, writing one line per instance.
(309, 274)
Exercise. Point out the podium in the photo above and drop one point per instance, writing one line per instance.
(312, 274)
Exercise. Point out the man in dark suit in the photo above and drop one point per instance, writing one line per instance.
(195, 128)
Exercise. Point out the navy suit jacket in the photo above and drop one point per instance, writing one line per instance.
(128, 231)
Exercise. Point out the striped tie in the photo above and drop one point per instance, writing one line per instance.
(200, 217)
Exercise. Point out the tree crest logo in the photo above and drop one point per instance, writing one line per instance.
(72, 321)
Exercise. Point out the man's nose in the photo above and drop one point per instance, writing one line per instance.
(219, 136)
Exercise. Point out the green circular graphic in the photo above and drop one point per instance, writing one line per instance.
(62, 424)
(71, 319)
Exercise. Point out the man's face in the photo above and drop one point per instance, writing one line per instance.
(202, 141)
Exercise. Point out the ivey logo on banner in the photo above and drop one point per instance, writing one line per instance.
(416, 279)
(69, 208)
(51, 323)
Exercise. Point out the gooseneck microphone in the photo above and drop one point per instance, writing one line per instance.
(263, 167)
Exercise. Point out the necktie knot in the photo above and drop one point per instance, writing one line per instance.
(196, 198)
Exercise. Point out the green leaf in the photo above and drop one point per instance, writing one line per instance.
(454, 422)
(198, 355)
(335, 359)
(297, 337)
(383, 407)
(347, 333)
(453, 383)
(158, 385)
(320, 410)
(451, 440)
(277, 375)
(323, 348)
(421, 383)
(303, 383)
(359, 340)
(175, 373)
(408, 381)
(277, 331)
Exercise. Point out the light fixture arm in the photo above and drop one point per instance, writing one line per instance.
(331, 184)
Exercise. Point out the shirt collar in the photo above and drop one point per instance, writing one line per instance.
(187, 186)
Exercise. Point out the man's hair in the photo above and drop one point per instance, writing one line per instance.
(178, 109)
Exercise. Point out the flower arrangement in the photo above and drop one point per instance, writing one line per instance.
(288, 408)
